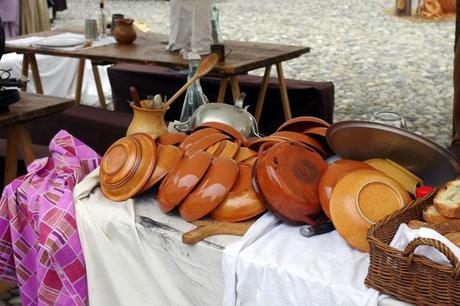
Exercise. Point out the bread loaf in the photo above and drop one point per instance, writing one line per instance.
(442, 228)
(454, 238)
(447, 200)
(432, 215)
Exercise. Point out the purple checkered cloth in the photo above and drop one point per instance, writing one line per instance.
(39, 244)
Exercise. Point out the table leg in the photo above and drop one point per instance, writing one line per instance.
(26, 144)
(284, 93)
(35, 73)
(25, 70)
(235, 87)
(263, 91)
(222, 90)
(97, 79)
(81, 73)
(11, 160)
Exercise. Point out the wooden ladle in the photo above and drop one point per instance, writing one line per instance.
(204, 68)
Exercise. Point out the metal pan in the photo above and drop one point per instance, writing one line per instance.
(362, 140)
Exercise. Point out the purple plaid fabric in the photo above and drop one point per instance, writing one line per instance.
(39, 244)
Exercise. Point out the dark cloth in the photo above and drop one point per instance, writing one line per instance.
(98, 128)
(306, 98)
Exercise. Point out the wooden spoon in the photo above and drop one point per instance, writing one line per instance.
(135, 96)
(204, 68)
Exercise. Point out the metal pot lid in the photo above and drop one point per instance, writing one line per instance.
(362, 140)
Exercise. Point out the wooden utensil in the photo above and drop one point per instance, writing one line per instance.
(135, 96)
(207, 228)
(204, 68)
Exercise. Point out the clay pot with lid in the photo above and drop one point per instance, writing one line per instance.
(124, 32)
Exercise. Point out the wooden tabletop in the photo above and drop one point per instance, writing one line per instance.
(150, 48)
(32, 106)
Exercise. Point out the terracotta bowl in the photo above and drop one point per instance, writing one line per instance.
(300, 124)
(250, 161)
(305, 139)
(287, 178)
(194, 137)
(116, 163)
(211, 191)
(229, 149)
(227, 129)
(258, 142)
(205, 142)
(171, 139)
(334, 172)
(361, 199)
(316, 131)
(182, 179)
(242, 203)
(167, 157)
(244, 154)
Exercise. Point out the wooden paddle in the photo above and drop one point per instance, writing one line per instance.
(207, 228)
(204, 68)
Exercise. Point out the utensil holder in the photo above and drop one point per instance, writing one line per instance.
(147, 120)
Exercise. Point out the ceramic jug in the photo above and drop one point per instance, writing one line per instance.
(124, 32)
(147, 120)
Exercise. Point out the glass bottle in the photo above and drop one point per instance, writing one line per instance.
(194, 96)
(102, 20)
(215, 26)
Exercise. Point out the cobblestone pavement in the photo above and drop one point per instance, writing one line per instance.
(376, 61)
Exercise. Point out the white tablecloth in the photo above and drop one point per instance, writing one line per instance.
(134, 256)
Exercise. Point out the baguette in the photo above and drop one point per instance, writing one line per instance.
(447, 200)
(442, 228)
(432, 215)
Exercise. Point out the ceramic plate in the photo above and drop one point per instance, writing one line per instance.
(361, 199)
(60, 42)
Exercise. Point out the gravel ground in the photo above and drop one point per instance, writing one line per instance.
(376, 61)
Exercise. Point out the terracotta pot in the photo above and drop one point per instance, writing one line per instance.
(124, 32)
(147, 120)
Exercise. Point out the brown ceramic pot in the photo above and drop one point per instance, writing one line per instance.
(147, 120)
(124, 32)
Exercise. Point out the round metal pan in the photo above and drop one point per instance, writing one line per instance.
(362, 140)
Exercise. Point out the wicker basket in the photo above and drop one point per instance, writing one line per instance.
(408, 277)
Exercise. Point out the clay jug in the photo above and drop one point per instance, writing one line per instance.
(147, 120)
(124, 32)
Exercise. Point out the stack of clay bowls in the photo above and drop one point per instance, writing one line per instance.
(356, 195)
(310, 131)
(213, 177)
(135, 163)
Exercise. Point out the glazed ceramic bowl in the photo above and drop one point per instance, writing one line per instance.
(318, 131)
(227, 129)
(361, 199)
(305, 139)
(258, 142)
(287, 177)
(167, 157)
(300, 124)
(211, 191)
(205, 142)
(334, 172)
(407, 179)
(242, 202)
(244, 154)
(182, 179)
(250, 161)
(229, 149)
(194, 137)
(171, 139)
(124, 170)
